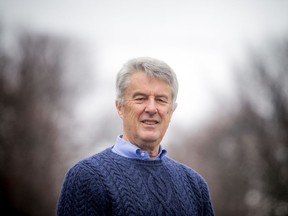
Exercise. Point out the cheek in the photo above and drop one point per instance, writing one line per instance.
(131, 113)
(129, 116)
(165, 116)
(168, 113)
(168, 116)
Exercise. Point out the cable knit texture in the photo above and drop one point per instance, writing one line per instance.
(109, 184)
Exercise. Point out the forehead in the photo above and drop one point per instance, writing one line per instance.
(141, 82)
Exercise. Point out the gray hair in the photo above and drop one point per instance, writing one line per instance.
(152, 67)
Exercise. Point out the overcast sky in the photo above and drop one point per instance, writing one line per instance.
(200, 40)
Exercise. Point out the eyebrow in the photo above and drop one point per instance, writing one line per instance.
(138, 93)
(135, 94)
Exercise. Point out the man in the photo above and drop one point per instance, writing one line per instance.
(135, 177)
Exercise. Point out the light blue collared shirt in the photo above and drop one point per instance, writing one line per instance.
(128, 150)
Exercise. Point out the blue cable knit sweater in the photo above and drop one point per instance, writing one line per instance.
(109, 184)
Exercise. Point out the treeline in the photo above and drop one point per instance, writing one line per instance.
(243, 151)
(37, 96)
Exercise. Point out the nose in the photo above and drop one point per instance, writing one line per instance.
(151, 107)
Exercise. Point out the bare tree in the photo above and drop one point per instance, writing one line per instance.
(243, 152)
(35, 100)
(216, 152)
(266, 93)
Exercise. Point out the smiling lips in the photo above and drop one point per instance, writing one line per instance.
(150, 122)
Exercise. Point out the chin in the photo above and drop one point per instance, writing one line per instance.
(150, 134)
(150, 138)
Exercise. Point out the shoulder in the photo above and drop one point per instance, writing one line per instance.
(192, 175)
(90, 165)
(82, 183)
(193, 181)
(86, 174)
(181, 166)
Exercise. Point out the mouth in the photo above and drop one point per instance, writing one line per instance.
(150, 122)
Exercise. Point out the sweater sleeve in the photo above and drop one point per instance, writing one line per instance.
(207, 208)
(82, 193)
(201, 193)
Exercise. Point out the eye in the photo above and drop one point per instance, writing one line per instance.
(162, 100)
(139, 99)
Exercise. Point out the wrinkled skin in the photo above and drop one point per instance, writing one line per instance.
(146, 112)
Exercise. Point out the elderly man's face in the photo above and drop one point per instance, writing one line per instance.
(146, 112)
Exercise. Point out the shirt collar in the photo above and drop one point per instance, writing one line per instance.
(127, 149)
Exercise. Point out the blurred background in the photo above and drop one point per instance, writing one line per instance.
(58, 63)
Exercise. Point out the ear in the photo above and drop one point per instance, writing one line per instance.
(174, 106)
(119, 108)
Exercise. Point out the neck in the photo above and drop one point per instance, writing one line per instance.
(154, 154)
(152, 147)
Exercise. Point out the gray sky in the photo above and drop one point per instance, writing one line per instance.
(200, 40)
